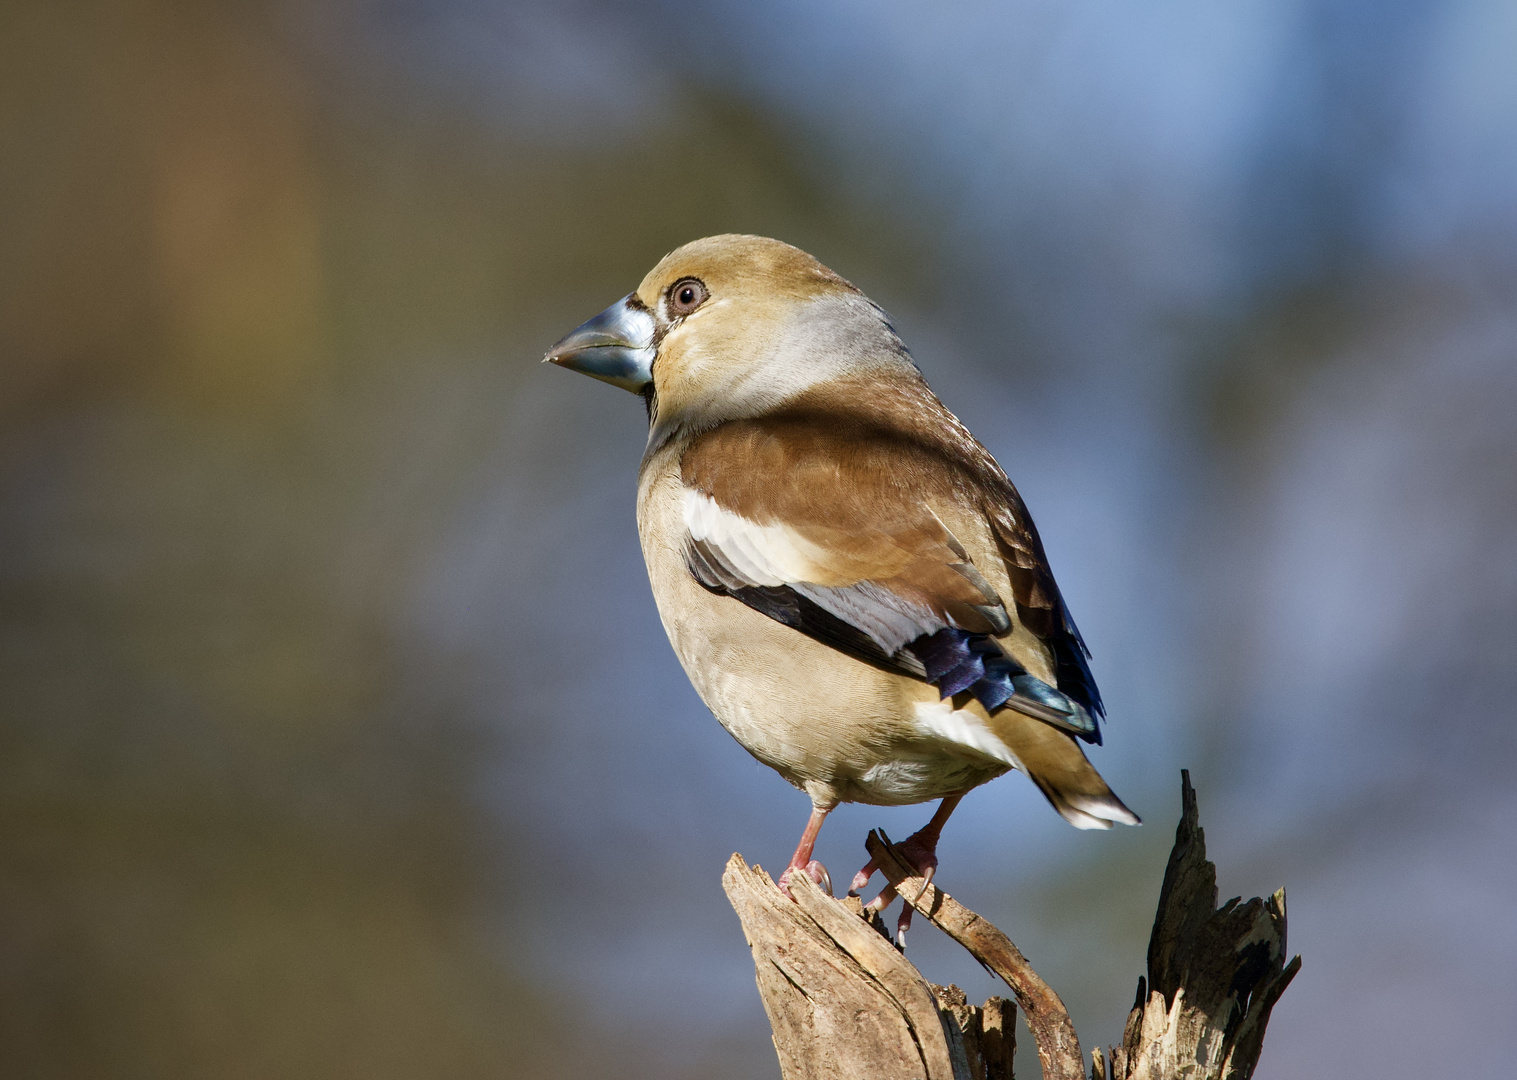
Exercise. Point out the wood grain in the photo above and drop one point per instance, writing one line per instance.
(1047, 1019)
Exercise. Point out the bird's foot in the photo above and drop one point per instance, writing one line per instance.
(921, 850)
(813, 869)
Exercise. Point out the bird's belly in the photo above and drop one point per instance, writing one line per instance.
(841, 730)
(841, 735)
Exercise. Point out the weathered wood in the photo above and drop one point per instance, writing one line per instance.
(1047, 1019)
(843, 1002)
(1214, 973)
(988, 1032)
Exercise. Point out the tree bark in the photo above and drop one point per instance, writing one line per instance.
(844, 1003)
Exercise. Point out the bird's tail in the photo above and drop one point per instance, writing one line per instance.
(1057, 765)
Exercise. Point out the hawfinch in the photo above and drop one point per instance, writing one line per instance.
(851, 582)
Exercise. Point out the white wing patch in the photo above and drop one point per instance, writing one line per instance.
(767, 555)
(960, 726)
(776, 555)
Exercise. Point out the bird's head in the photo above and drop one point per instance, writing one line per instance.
(729, 327)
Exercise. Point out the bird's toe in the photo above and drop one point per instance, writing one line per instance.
(813, 869)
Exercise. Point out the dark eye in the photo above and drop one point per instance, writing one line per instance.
(686, 295)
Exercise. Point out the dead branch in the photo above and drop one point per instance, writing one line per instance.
(1213, 974)
(1047, 1019)
(843, 1002)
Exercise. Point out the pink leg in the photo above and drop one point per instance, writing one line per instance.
(802, 859)
(922, 849)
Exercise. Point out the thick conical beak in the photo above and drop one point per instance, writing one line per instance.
(615, 347)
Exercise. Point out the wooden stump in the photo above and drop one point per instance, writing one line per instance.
(844, 1003)
(1213, 974)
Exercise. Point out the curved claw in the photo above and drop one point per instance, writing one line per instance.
(927, 877)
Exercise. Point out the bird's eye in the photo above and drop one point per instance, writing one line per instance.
(686, 295)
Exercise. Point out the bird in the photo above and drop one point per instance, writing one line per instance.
(851, 582)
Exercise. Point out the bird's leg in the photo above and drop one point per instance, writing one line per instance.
(802, 859)
(921, 848)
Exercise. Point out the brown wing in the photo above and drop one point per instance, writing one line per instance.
(784, 501)
(818, 514)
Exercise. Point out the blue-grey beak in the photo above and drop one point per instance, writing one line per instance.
(615, 347)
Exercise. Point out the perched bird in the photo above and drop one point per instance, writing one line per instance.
(851, 582)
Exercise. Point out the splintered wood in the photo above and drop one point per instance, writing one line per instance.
(843, 1002)
(1214, 973)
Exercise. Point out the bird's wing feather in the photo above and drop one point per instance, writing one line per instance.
(828, 527)
(893, 585)
(1039, 605)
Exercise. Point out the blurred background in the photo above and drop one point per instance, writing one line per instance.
(338, 733)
